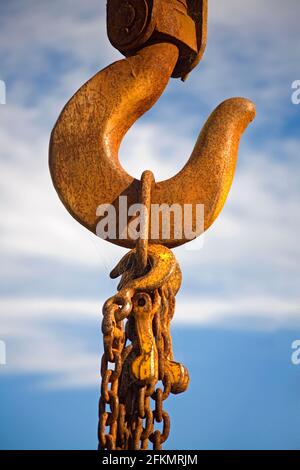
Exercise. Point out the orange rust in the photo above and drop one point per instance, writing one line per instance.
(85, 141)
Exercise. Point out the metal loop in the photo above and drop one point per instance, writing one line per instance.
(101, 429)
(166, 427)
(122, 425)
(118, 368)
(147, 180)
(104, 386)
(155, 438)
(167, 385)
(158, 405)
(114, 406)
(141, 402)
(137, 433)
(110, 442)
(150, 389)
(149, 425)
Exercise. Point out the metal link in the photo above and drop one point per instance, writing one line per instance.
(167, 385)
(166, 427)
(158, 405)
(156, 440)
(137, 433)
(104, 386)
(149, 421)
(101, 431)
(141, 402)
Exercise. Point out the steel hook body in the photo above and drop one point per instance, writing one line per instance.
(85, 141)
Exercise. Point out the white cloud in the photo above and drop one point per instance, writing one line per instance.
(194, 311)
(67, 359)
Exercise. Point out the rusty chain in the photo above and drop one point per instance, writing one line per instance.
(131, 424)
(136, 335)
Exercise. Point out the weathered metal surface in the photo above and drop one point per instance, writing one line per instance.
(84, 144)
(147, 181)
(163, 268)
(147, 305)
(134, 24)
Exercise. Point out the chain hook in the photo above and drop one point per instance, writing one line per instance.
(160, 38)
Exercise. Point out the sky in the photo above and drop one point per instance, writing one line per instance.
(237, 313)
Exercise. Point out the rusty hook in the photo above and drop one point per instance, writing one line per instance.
(161, 38)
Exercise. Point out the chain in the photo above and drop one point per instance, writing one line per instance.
(136, 335)
(114, 338)
(160, 395)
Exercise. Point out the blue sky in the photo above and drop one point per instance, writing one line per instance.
(238, 310)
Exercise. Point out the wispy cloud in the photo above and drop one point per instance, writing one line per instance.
(59, 339)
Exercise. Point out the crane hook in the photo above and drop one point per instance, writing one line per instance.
(160, 39)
